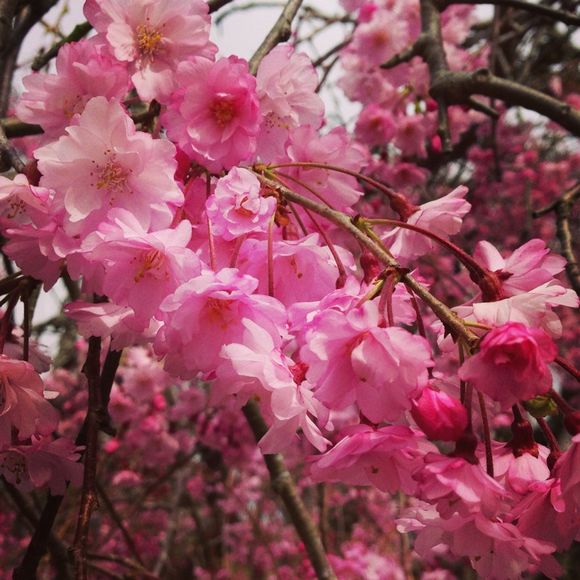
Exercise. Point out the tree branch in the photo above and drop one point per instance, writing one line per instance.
(284, 486)
(280, 33)
(553, 13)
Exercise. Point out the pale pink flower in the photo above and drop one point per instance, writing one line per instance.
(22, 403)
(286, 85)
(84, 69)
(544, 502)
(236, 206)
(44, 463)
(533, 308)
(567, 468)
(153, 36)
(411, 134)
(336, 189)
(386, 458)
(455, 485)
(109, 320)
(104, 162)
(141, 269)
(528, 267)
(22, 203)
(511, 364)
(442, 216)
(351, 360)
(214, 116)
(295, 265)
(439, 416)
(208, 311)
(495, 549)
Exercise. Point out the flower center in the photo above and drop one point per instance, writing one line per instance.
(112, 176)
(223, 112)
(219, 312)
(14, 463)
(151, 263)
(148, 41)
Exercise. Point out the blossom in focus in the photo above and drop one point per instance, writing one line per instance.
(511, 364)
(214, 115)
(104, 162)
(237, 208)
(153, 37)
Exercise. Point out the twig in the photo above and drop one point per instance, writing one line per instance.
(450, 320)
(89, 493)
(9, 152)
(120, 524)
(280, 33)
(217, 4)
(563, 209)
(79, 32)
(284, 486)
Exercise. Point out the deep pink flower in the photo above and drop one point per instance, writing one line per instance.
(439, 416)
(375, 126)
(511, 364)
(214, 116)
(153, 36)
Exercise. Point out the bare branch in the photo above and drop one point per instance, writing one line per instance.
(280, 32)
(284, 486)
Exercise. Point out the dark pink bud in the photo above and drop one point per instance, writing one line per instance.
(440, 416)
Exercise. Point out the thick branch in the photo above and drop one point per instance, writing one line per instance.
(7, 11)
(280, 33)
(458, 87)
(553, 13)
(284, 486)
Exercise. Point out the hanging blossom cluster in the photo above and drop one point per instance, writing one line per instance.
(199, 222)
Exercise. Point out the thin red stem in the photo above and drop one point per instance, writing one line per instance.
(486, 435)
(568, 367)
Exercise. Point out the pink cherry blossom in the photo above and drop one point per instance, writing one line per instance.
(441, 216)
(44, 463)
(22, 203)
(104, 162)
(22, 403)
(286, 85)
(528, 267)
(352, 360)
(336, 189)
(153, 37)
(214, 116)
(84, 70)
(208, 310)
(375, 126)
(236, 207)
(511, 364)
(386, 458)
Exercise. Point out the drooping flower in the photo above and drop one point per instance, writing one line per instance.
(22, 403)
(511, 364)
